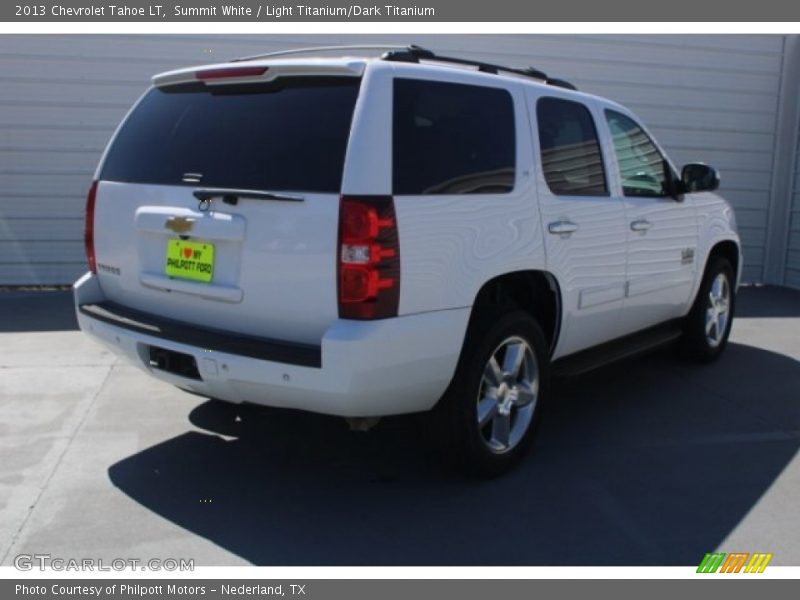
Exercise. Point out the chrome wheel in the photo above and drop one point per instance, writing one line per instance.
(507, 395)
(718, 310)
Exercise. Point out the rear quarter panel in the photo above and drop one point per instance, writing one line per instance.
(450, 245)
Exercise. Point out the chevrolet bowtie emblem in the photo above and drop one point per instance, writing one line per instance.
(179, 225)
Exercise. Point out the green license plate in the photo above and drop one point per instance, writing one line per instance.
(190, 260)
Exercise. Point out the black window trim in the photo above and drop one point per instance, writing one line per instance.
(599, 148)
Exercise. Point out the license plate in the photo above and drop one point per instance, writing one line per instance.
(190, 260)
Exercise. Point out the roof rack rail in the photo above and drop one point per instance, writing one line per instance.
(415, 54)
(312, 49)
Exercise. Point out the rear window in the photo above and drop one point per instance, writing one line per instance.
(290, 134)
(452, 138)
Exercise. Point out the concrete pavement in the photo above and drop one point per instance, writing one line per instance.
(648, 462)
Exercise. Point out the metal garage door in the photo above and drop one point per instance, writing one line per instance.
(706, 97)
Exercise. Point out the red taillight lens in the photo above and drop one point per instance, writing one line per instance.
(369, 258)
(230, 73)
(88, 229)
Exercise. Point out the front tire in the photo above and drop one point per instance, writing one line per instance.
(492, 407)
(708, 324)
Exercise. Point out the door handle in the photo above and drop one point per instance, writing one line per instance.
(564, 228)
(641, 225)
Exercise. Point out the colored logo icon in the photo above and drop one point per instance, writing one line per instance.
(734, 562)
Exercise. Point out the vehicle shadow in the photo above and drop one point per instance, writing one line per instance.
(767, 301)
(648, 462)
(22, 311)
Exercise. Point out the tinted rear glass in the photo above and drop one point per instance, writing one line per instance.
(290, 134)
(451, 138)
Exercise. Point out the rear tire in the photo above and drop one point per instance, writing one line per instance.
(491, 410)
(708, 324)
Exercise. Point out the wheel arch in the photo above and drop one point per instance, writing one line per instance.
(726, 247)
(534, 291)
(729, 249)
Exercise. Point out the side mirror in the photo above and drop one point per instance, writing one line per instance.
(697, 177)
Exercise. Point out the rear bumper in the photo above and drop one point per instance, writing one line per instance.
(360, 369)
(209, 339)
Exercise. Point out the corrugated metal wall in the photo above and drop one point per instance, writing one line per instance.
(706, 97)
(793, 250)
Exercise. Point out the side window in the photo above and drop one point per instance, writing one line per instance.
(451, 138)
(641, 165)
(571, 158)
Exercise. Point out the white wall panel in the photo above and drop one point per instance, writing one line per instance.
(711, 98)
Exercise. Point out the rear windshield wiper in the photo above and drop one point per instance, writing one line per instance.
(232, 195)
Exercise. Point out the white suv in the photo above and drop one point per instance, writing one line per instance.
(374, 236)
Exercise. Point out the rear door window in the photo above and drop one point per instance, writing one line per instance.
(290, 134)
(452, 138)
(571, 157)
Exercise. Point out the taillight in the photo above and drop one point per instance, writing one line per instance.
(230, 73)
(369, 258)
(88, 229)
